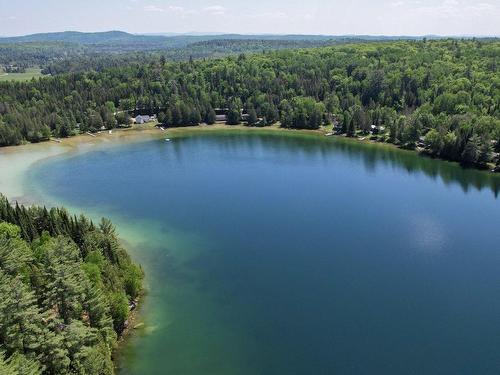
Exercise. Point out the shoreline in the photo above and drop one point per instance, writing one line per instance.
(84, 142)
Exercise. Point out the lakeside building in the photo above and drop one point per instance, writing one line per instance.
(142, 119)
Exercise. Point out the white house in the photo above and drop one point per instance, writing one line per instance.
(141, 119)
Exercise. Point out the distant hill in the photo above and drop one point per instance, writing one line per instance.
(172, 40)
(99, 38)
(80, 37)
(123, 38)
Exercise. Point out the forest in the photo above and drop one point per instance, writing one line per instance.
(70, 51)
(200, 50)
(443, 95)
(67, 289)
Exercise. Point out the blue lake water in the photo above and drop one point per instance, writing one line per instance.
(294, 254)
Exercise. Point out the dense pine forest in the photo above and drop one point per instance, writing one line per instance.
(66, 285)
(442, 95)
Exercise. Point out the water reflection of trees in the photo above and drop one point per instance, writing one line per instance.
(449, 173)
(371, 156)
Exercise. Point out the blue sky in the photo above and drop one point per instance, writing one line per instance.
(334, 17)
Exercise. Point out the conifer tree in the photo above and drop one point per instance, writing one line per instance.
(18, 364)
(63, 286)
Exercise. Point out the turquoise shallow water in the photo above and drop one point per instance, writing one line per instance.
(273, 254)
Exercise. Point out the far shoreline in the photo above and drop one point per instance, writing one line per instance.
(17, 161)
(81, 142)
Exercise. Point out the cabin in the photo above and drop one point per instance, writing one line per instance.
(337, 126)
(142, 119)
(377, 129)
(221, 114)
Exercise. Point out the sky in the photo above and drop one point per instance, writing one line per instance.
(329, 17)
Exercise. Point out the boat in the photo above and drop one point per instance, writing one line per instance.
(167, 139)
(328, 134)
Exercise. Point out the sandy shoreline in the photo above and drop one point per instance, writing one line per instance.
(16, 161)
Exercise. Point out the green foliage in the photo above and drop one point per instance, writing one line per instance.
(19, 364)
(65, 287)
(303, 113)
(252, 116)
(233, 116)
(210, 116)
(119, 310)
(9, 231)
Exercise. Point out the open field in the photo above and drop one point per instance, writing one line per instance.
(26, 76)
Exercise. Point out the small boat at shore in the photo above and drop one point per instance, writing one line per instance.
(329, 134)
(167, 139)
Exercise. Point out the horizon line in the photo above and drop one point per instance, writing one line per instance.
(170, 34)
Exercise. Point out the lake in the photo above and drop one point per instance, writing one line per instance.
(297, 254)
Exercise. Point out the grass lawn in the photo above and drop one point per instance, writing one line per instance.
(26, 76)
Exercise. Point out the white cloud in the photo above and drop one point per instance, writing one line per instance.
(153, 8)
(482, 8)
(270, 15)
(215, 10)
(181, 11)
(408, 3)
(397, 4)
(454, 9)
(175, 9)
